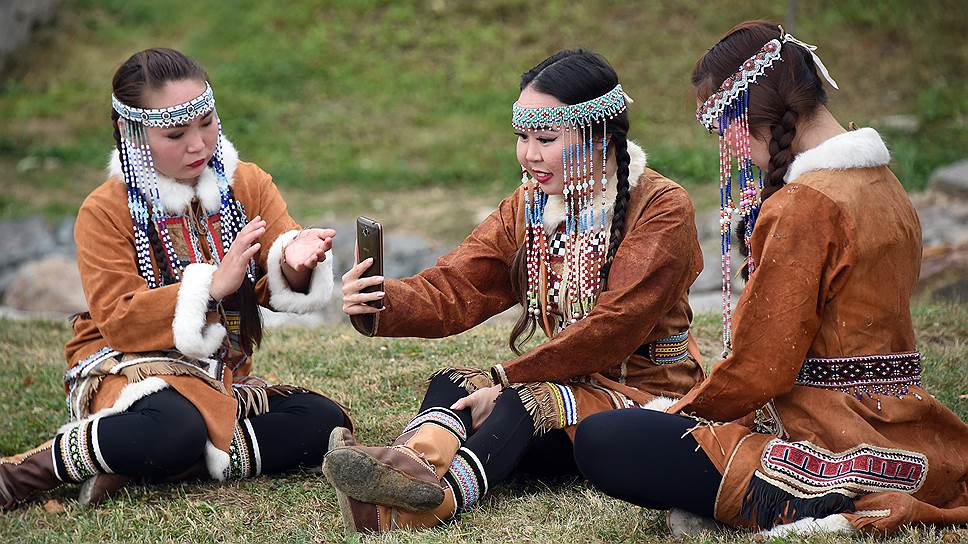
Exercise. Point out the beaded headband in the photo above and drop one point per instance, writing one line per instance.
(585, 236)
(727, 111)
(589, 112)
(144, 198)
(179, 114)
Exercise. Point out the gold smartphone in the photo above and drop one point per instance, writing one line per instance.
(369, 242)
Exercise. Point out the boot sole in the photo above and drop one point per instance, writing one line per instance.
(362, 478)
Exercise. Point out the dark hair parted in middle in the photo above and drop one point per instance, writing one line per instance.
(574, 76)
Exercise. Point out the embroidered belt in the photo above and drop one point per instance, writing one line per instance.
(892, 374)
(667, 351)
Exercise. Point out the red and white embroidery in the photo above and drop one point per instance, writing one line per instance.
(859, 470)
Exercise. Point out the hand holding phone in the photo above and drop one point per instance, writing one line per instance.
(363, 284)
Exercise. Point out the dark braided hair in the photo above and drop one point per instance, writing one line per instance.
(152, 69)
(574, 76)
(790, 92)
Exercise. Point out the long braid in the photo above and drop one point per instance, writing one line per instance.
(622, 160)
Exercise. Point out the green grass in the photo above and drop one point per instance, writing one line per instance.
(382, 380)
(392, 96)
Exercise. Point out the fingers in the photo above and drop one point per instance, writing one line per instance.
(358, 298)
(319, 233)
(461, 403)
(249, 253)
(358, 309)
(355, 286)
(354, 273)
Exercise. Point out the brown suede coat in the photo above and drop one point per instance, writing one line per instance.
(838, 254)
(128, 316)
(646, 299)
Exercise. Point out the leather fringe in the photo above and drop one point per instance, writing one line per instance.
(470, 379)
(768, 504)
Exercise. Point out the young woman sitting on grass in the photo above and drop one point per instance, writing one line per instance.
(600, 252)
(176, 250)
(816, 420)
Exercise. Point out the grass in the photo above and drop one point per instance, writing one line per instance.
(382, 380)
(391, 97)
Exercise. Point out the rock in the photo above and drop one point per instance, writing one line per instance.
(50, 286)
(17, 19)
(951, 180)
(21, 241)
(944, 272)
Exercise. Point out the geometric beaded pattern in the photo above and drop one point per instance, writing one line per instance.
(179, 114)
(75, 455)
(466, 478)
(442, 417)
(244, 460)
(892, 374)
(752, 68)
(862, 469)
(567, 410)
(673, 349)
(585, 113)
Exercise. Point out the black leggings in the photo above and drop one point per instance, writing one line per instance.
(642, 457)
(506, 440)
(163, 434)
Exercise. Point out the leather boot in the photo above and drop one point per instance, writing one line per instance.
(406, 475)
(25, 475)
(101, 487)
(363, 517)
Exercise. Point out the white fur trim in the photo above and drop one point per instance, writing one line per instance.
(217, 462)
(282, 297)
(176, 196)
(835, 523)
(862, 148)
(193, 336)
(130, 394)
(659, 404)
(554, 212)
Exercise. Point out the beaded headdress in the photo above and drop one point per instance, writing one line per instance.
(141, 181)
(585, 233)
(727, 112)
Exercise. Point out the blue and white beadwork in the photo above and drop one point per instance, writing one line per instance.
(179, 114)
(585, 113)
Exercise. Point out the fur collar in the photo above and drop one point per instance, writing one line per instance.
(862, 148)
(554, 212)
(177, 196)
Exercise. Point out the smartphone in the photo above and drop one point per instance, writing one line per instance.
(369, 242)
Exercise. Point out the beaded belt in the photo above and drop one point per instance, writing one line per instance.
(892, 374)
(667, 351)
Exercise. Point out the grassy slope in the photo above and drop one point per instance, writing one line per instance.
(388, 95)
(382, 380)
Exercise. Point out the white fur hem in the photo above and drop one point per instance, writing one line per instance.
(193, 336)
(554, 212)
(130, 394)
(282, 298)
(217, 462)
(176, 196)
(659, 404)
(862, 148)
(835, 523)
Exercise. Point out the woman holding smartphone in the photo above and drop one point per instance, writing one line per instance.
(600, 252)
(176, 250)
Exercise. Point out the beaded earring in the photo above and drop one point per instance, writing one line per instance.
(585, 239)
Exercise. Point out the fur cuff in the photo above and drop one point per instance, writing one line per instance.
(659, 404)
(193, 337)
(217, 462)
(282, 298)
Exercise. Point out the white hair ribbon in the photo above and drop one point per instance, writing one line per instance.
(811, 48)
